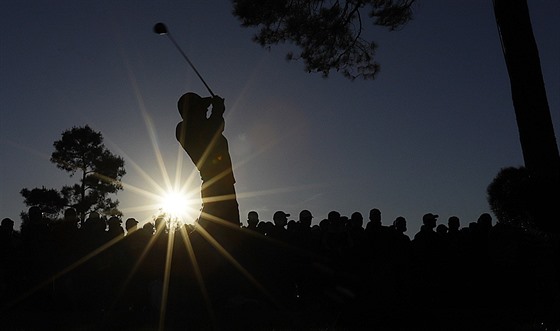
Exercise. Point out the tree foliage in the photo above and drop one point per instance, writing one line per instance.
(519, 198)
(50, 201)
(329, 33)
(510, 196)
(81, 151)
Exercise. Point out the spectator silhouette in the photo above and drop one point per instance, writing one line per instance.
(114, 260)
(71, 216)
(357, 235)
(93, 231)
(155, 237)
(377, 236)
(454, 238)
(64, 235)
(304, 237)
(133, 246)
(375, 228)
(252, 221)
(93, 237)
(280, 274)
(37, 252)
(305, 219)
(6, 233)
(453, 225)
(480, 275)
(442, 230)
(400, 252)
(292, 228)
(279, 231)
(374, 220)
(400, 241)
(142, 243)
(479, 248)
(114, 228)
(34, 228)
(265, 227)
(356, 221)
(357, 253)
(484, 227)
(426, 237)
(399, 228)
(9, 268)
(336, 241)
(35, 232)
(131, 225)
(428, 257)
(160, 225)
(148, 230)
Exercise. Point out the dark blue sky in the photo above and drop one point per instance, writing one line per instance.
(428, 135)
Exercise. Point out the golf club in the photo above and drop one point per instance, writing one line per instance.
(161, 29)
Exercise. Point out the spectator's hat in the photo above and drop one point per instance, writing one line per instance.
(429, 217)
(280, 214)
(305, 214)
(131, 222)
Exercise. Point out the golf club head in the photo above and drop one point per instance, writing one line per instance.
(160, 29)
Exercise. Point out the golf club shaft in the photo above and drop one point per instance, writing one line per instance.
(189, 62)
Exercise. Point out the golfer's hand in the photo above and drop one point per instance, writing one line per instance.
(218, 105)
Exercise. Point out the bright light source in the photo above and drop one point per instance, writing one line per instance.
(177, 205)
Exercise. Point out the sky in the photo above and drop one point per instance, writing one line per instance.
(428, 135)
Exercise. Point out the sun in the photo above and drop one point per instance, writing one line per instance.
(178, 205)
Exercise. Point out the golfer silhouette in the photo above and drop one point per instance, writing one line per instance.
(201, 136)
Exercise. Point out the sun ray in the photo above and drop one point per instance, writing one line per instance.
(157, 151)
(159, 194)
(220, 249)
(142, 208)
(178, 168)
(168, 189)
(197, 273)
(64, 271)
(138, 261)
(157, 191)
(166, 276)
(189, 182)
(148, 122)
(143, 174)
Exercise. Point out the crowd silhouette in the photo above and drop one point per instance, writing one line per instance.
(339, 273)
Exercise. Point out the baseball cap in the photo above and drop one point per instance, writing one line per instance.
(280, 214)
(429, 217)
(305, 213)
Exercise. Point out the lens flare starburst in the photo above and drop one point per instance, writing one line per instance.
(178, 205)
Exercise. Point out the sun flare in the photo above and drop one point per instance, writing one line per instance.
(178, 205)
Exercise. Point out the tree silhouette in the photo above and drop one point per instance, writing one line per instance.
(50, 201)
(534, 122)
(329, 35)
(81, 150)
(328, 32)
(511, 197)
